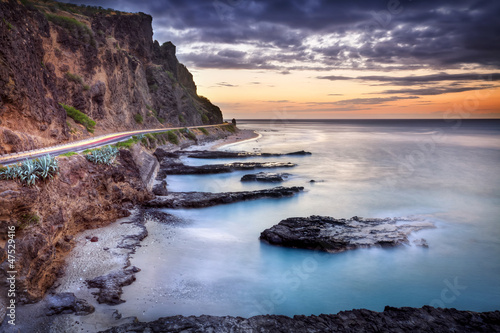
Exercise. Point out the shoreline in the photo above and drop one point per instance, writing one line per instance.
(80, 265)
(241, 136)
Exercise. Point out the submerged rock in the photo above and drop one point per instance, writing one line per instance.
(425, 319)
(265, 177)
(207, 199)
(326, 233)
(65, 303)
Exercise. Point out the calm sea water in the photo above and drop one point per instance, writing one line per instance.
(447, 172)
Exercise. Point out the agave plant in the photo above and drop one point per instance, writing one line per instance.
(46, 166)
(28, 172)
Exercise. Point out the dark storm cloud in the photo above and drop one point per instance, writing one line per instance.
(386, 33)
(432, 90)
(420, 79)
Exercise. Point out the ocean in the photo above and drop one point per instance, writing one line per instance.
(447, 172)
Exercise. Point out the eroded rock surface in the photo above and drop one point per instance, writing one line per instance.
(207, 199)
(425, 319)
(65, 303)
(172, 167)
(110, 286)
(336, 235)
(265, 177)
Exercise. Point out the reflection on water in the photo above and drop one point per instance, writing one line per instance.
(215, 264)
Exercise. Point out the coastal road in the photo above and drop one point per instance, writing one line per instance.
(78, 146)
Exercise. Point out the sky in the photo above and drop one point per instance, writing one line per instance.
(298, 59)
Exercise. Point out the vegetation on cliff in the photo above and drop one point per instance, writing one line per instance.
(30, 171)
(79, 117)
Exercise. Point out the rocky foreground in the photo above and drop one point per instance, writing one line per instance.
(326, 233)
(425, 319)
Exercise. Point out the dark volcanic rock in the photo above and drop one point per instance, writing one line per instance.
(110, 286)
(425, 319)
(336, 235)
(161, 188)
(265, 177)
(65, 303)
(226, 154)
(177, 168)
(207, 199)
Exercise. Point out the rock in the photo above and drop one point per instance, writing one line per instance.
(177, 168)
(65, 303)
(207, 154)
(110, 286)
(420, 242)
(265, 177)
(161, 188)
(207, 199)
(425, 319)
(336, 235)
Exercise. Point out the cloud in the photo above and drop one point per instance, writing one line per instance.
(372, 101)
(305, 34)
(432, 90)
(226, 84)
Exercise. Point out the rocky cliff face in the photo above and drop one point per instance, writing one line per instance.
(101, 62)
(93, 195)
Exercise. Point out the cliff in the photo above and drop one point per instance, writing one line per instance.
(103, 63)
(93, 196)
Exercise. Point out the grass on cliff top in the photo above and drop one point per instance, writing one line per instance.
(79, 117)
(77, 29)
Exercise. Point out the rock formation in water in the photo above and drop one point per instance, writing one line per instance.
(265, 177)
(326, 233)
(425, 319)
(207, 199)
(101, 62)
(212, 154)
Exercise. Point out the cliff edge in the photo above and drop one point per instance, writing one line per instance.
(57, 57)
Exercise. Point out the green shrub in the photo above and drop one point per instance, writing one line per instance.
(9, 25)
(153, 87)
(203, 130)
(86, 87)
(79, 117)
(172, 138)
(28, 219)
(170, 75)
(68, 154)
(229, 128)
(181, 119)
(138, 118)
(74, 77)
(205, 119)
(76, 28)
(161, 120)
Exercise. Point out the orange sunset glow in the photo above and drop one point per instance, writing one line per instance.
(336, 59)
